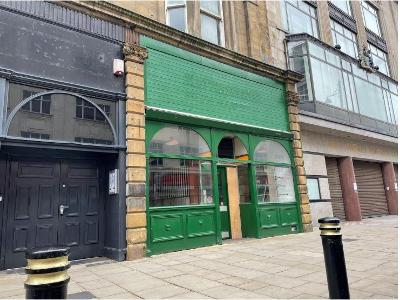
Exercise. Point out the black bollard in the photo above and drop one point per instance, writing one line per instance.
(47, 273)
(334, 258)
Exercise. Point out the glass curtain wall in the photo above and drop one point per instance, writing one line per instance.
(335, 81)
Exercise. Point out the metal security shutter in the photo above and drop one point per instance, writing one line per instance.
(371, 191)
(335, 188)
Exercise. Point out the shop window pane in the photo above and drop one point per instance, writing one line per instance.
(316, 51)
(61, 117)
(313, 189)
(175, 182)
(176, 17)
(274, 184)
(271, 151)
(210, 29)
(243, 176)
(297, 48)
(328, 84)
(394, 105)
(179, 140)
(370, 100)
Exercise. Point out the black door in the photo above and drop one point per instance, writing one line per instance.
(35, 217)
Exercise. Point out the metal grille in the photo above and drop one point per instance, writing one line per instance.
(335, 188)
(67, 17)
(371, 191)
(170, 183)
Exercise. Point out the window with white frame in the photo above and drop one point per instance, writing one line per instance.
(212, 21)
(345, 38)
(176, 14)
(299, 17)
(343, 5)
(371, 19)
(379, 58)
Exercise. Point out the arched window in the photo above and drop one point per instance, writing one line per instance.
(232, 147)
(179, 140)
(274, 183)
(179, 181)
(270, 151)
(60, 116)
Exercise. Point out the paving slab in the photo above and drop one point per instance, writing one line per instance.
(290, 266)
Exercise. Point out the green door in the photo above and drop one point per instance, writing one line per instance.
(223, 203)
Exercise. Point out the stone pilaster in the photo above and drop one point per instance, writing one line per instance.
(324, 22)
(136, 232)
(292, 99)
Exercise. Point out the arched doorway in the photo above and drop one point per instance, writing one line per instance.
(233, 185)
(59, 146)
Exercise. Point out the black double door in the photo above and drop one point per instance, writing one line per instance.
(52, 203)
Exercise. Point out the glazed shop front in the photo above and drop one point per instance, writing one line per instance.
(214, 171)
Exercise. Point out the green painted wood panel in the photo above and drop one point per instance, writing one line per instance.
(181, 81)
(180, 228)
(278, 218)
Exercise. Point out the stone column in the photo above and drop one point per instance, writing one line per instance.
(136, 232)
(361, 33)
(292, 99)
(324, 22)
(350, 195)
(389, 180)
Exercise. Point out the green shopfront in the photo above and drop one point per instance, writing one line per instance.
(219, 152)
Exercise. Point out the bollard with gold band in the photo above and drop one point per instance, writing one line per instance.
(47, 273)
(334, 258)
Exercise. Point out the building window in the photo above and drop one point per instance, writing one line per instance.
(273, 183)
(340, 83)
(379, 59)
(185, 179)
(343, 5)
(39, 105)
(300, 17)
(87, 111)
(345, 38)
(176, 14)
(313, 188)
(34, 135)
(211, 21)
(370, 15)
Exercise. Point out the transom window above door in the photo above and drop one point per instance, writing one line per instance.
(179, 140)
(38, 114)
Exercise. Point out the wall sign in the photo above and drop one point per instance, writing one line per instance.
(355, 187)
(113, 182)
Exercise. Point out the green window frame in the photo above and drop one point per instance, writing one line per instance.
(179, 174)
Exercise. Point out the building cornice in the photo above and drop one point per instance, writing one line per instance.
(164, 33)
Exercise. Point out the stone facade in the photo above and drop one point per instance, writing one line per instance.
(136, 232)
(292, 99)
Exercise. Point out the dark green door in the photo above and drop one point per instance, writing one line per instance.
(223, 203)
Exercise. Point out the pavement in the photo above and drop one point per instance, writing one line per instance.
(289, 266)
